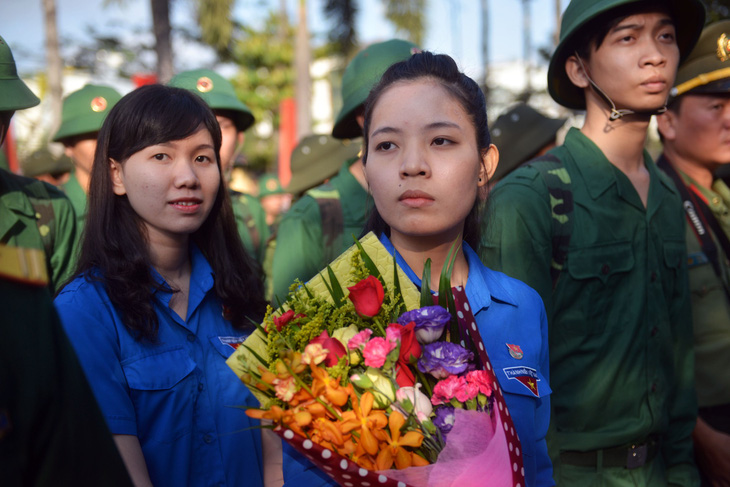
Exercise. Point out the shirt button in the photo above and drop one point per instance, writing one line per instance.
(605, 269)
(653, 388)
(200, 386)
(654, 332)
(653, 276)
(208, 439)
(191, 338)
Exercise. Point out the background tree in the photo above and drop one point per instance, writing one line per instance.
(717, 10)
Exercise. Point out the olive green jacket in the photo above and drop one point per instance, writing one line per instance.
(620, 333)
(251, 223)
(78, 199)
(39, 216)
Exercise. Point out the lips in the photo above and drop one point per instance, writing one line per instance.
(186, 205)
(655, 83)
(416, 199)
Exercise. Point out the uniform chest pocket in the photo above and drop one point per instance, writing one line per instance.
(595, 273)
(162, 387)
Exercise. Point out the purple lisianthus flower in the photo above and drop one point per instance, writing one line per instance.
(430, 322)
(442, 359)
(444, 419)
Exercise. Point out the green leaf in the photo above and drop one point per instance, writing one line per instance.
(400, 305)
(258, 357)
(426, 296)
(372, 268)
(334, 287)
(446, 298)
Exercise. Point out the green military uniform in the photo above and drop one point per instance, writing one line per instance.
(303, 247)
(77, 197)
(251, 223)
(83, 114)
(620, 344)
(51, 429)
(306, 244)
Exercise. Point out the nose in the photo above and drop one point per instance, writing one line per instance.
(185, 175)
(414, 163)
(656, 53)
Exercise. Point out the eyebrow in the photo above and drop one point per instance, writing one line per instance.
(430, 126)
(197, 148)
(620, 27)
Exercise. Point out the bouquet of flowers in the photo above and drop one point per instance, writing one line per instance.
(373, 382)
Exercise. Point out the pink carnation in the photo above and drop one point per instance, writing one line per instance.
(481, 379)
(393, 335)
(375, 352)
(359, 340)
(447, 389)
(466, 391)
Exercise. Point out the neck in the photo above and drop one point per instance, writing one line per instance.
(701, 174)
(415, 251)
(83, 178)
(356, 169)
(621, 141)
(171, 258)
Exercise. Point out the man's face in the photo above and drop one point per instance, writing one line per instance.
(231, 138)
(699, 130)
(81, 151)
(636, 63)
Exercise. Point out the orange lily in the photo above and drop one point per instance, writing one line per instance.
(395, 450)
(362, 419)
(322, 383)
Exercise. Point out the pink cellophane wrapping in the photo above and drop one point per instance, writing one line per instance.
(476, 454)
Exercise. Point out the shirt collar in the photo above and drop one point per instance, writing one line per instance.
(201, 280)
(482, 285)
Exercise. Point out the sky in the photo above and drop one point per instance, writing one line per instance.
(453, 26)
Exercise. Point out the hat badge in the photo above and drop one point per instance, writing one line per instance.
(723, 48)
(98, 104)
(271, 185)
(204, 84)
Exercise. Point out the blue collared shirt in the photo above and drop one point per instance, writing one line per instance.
(177, 396)
(509, 312)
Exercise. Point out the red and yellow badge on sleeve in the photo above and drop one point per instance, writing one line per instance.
(524, 375)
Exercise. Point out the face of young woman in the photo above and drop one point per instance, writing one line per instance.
(171, 186)
(637, 61)
(423, 165)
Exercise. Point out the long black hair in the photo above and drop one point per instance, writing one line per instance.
(442, 69)
(115, 250)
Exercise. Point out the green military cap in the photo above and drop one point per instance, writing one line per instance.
(269, 184)
(14, 94)
(216, 91)
(84, 110)
(317, 158)
(361, 75)
(689, 18)
(43, 162)
(707, 68)
(519, 133)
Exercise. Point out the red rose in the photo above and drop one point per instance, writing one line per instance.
(410, 352)
(283, 320)
(367, 296)
(334, 348)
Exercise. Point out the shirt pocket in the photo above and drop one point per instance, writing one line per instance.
(596, 273)
(162, 387)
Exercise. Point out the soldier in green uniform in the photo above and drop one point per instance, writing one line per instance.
(596, 229)
(234, 118)
(320, 225)
(696, 135)
(44, 166)
(82, 114)
(51, 429)
(522, 133)
(273, 197)
(34, 214)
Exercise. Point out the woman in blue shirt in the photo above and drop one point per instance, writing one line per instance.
(164, 290)
(428, 159)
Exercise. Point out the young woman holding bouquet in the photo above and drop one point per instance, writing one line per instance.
(163, 288)
(428, 159)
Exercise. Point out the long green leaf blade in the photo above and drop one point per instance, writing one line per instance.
(426, 296)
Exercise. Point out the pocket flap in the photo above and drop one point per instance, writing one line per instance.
(601, 262)
(674, 252)
(160, 371)
(226, 345)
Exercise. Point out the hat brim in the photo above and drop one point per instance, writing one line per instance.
(84, 125)
(511, 156)
(690, 17)
(15, 95)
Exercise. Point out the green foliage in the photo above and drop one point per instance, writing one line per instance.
(266, 77)
(717, 10)
(342, 34)
(408, 18)
(216, 28)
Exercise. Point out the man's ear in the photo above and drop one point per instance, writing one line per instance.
(575, 69)
(490, 159)
(240, 137)
(667, 125)
(117, 176)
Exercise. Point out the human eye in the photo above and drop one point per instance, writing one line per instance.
(668, 35)
(384, 146)
(439, 141)
(203, 159)
(159, 156)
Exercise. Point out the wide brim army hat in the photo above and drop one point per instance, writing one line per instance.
(689, 16)
(519, 133)
(707, 68)
(85, 110)
(14, 94)
(217, 92)
(269, 184)
(317, 158)
(43, 162)
(361, 75)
